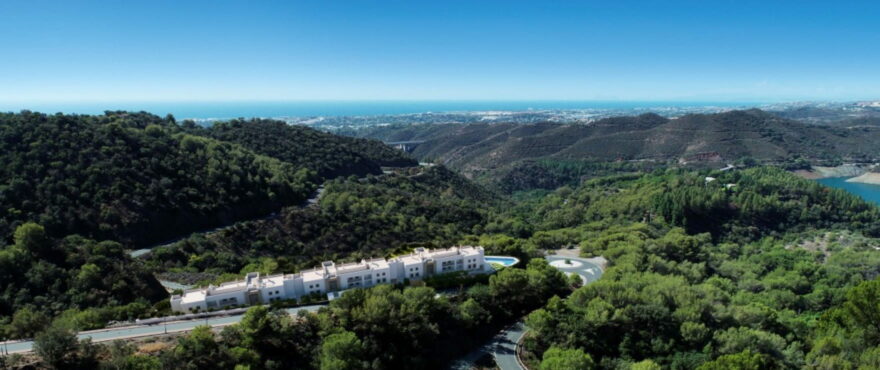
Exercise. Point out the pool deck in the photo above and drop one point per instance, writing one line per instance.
(515, 260)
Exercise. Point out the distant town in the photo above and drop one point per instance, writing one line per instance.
(817, 112)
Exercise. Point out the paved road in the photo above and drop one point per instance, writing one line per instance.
(104, 335)
(312, 201)
(503, 345)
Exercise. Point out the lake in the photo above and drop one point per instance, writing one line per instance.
(868, 192)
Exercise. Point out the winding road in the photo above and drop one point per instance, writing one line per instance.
(311, 202)
(503, 345)
(138, 331)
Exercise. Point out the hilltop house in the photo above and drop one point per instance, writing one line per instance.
(330, 277)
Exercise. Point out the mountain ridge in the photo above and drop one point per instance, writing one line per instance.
(720, 137)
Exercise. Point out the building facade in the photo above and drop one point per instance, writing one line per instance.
(330, 277)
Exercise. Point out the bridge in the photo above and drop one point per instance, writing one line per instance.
(406, 146)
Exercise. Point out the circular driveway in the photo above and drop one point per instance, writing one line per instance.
(588, 270)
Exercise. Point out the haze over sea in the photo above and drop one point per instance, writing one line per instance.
(235, 109)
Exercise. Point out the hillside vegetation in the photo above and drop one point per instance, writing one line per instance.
(86, 283)
(138, 178)
(484, 150)
(750, 267)
(775, 272)
(329, 155)
(702, 274)
(356, 218)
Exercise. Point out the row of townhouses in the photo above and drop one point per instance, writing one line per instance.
(330, 277)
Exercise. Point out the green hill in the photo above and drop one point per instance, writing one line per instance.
(719, 138)
(138, 178)
(41, 277)
(356, 218)
(327, 154)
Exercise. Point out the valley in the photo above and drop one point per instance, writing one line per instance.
(706, 234)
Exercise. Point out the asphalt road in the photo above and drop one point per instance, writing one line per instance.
(136, 331)
(316, 196)
(504, 349)
(503, 345)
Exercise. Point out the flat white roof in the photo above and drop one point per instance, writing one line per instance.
(273, 281)
(193, 297)
(469, 251)
(411, 260)
(318, 274)
(351, 267)
(446, 253)
(313, 275)
(229, 287)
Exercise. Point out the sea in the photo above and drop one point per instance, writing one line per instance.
(867, 192)
(272, 109)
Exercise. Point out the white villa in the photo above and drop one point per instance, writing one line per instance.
(330, 277)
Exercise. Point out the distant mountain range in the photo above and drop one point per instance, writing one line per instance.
(691, 139)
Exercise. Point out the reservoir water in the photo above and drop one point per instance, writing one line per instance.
(868, 192)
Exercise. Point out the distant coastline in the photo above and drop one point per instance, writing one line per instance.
(221, 110)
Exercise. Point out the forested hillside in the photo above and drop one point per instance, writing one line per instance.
(751, 267)
(709, 273)
(329, 155)
(86, 283)
(484, 150)
(370, 217)
(138, 178)
(756, 269)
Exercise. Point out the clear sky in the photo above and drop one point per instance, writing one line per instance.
(367, 50)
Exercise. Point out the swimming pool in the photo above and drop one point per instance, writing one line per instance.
(502, 260)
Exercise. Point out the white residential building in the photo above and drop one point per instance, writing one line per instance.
(330, 277)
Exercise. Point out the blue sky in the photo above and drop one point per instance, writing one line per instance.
(415, 50)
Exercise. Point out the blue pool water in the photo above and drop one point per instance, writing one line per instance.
(501, 260)
(867, 192)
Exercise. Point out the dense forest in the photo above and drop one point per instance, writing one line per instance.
(77, 281)
(357, 218)
(743, 268)
(137, 178)
(329, 155)
(747, 268)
